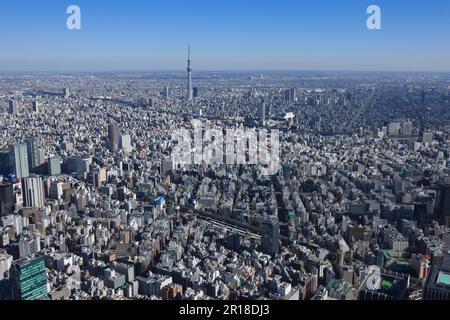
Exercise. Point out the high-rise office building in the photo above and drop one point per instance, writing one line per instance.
(12, 106)
(6, 199)
(293, 95)
(66, 92)
(18, 160)
(407, 128)
(28, 279)
(394, 129)
(196, 92)
(56, 190)
(290, 95)
(99, 177)
(4, 163)
(36, 106)
(125, 143)
(77, 164)
(166, 93)
(189, 76)
(262, 113)
(113, 136)
(34, 153)
(312, 101)
(437, 285)
(33, 191)
(287, 95)
(444, 203)
(270, 235)
(54, 166)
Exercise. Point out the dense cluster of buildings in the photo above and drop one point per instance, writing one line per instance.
(92, 205)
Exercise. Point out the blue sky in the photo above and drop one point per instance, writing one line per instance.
(224, 35)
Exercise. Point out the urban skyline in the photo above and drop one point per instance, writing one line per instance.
(249, 186)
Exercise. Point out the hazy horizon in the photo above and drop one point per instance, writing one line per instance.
(180, 71)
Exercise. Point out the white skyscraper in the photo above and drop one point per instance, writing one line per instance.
(125, 143)
(25, 247)
(29, 245)
(33, 190)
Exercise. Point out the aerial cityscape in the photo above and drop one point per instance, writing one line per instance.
(246, 185)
